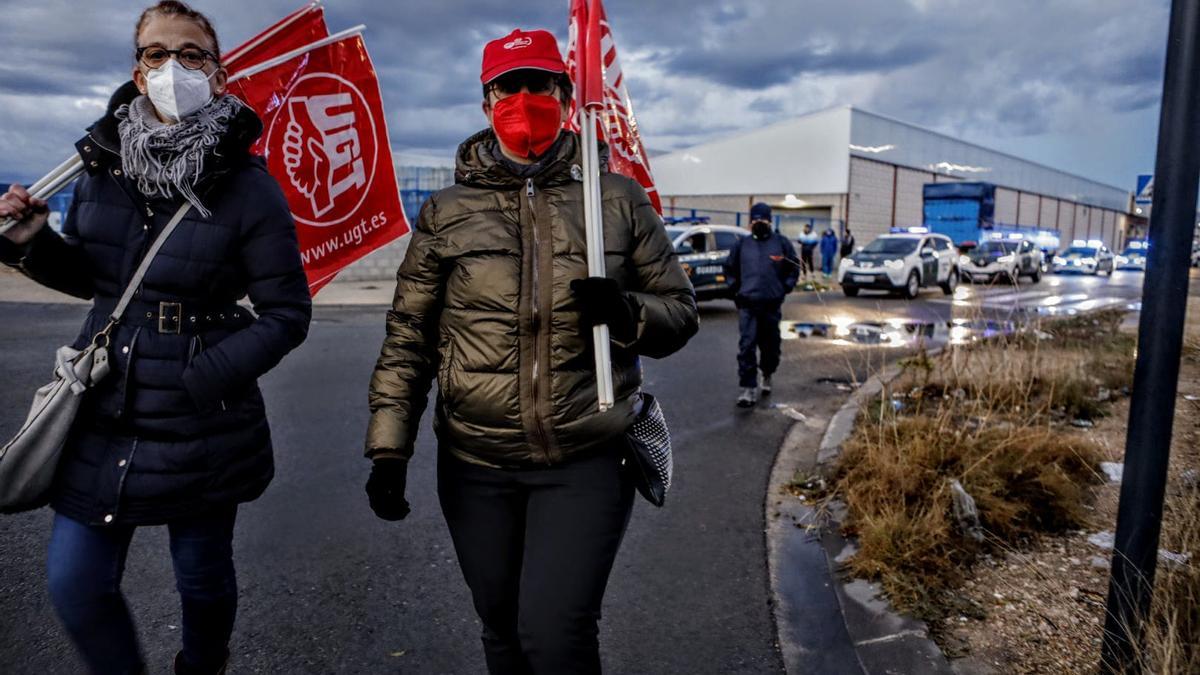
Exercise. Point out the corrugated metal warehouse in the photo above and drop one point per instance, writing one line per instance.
(848, 166)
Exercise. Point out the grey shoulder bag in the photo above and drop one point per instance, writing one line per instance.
(28, 462)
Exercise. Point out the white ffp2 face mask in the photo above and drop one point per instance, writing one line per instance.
(177, 92)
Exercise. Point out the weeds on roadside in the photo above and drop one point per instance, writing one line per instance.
(1172, 636)
(993, 416)
(1191, 336)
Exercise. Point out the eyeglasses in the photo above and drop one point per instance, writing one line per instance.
(192, 58)
(533, 81)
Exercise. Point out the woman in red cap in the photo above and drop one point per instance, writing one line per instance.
(493, 299)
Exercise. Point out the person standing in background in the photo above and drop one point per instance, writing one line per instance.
(829, 250)
(763, 270)
(847, 243)
(808, 243)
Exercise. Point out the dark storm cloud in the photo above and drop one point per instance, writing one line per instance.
(752, 67)
(768, 106)
(1142, 68)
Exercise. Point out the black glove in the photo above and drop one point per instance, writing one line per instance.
(602, 302)
(385, 488)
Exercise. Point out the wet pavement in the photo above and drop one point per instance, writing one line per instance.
(973, 312)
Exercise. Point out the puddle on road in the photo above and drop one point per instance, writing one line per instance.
(896, 332)
(902, 332)
(987, 314)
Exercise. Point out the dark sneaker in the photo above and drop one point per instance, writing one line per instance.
(766, 385)
(182, 667)
(747, 398)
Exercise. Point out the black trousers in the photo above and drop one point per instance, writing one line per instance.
(536, 547)
(759, 341)
(806, 260)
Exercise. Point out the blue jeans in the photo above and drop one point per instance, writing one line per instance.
(85, 566)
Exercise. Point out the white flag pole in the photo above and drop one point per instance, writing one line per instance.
(66, 165)
(594, 228)
(51, 184)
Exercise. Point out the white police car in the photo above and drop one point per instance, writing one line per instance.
(1005, 258)
(901, 262)
(1134, 256)
(1084, 257)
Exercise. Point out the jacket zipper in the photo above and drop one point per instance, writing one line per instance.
(116, 509)
(147, 223)
(537, 327)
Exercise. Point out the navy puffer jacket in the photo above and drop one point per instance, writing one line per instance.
(762, 270)
(178, 427)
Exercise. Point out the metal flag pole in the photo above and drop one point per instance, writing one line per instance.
(1160, 342)
(67, 164)
(594, 227)
(589, 91)
(51, 184)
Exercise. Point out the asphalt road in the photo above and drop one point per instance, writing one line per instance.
(327, 588)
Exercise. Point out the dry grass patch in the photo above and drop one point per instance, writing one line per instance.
(995, 417)
(1173, 632)
(1191, 335)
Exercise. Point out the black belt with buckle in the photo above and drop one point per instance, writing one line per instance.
(174, 318)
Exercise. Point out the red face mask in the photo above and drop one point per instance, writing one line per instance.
(527, 124)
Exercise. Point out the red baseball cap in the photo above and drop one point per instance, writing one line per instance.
(537, 49)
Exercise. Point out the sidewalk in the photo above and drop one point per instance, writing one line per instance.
(16, 287)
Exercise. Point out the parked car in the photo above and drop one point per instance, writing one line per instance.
(1134, 256)
(1008, 259)
(1084, 257)
(703, 250)
(903, 263)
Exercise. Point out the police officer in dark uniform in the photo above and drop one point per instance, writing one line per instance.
(763, 269)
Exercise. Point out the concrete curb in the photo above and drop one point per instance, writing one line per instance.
(873, 638)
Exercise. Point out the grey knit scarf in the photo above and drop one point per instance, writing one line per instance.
(168, 159)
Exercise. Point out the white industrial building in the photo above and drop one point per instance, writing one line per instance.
(848, 166)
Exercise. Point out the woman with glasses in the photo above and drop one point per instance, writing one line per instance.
(493, 299)
(176, 434)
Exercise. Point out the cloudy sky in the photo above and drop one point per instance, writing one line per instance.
(1074, 84)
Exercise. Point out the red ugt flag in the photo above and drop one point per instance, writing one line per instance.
(326, 143)
(589, 30)
(298, 29)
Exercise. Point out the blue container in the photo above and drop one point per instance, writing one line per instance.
(961, 211)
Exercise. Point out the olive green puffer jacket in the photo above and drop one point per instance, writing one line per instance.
(483, 302)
